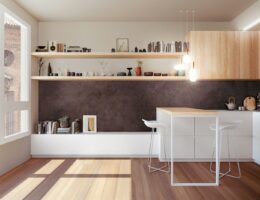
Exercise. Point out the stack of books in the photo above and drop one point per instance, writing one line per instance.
(63, 131)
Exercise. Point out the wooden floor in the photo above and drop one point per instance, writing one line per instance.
(122, 179)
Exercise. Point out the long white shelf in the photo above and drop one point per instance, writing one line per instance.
(126, 55)
(108, 78)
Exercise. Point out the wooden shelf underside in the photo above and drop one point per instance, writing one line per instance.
(108, 78)
(106, 55)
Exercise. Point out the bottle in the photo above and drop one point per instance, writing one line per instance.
(138, 69)
(49, 69)
(258, 101)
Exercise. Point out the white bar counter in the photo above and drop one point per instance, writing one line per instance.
(174, 113)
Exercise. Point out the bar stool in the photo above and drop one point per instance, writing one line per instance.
(153, 125)
(222, 127)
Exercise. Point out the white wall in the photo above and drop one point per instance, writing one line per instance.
(247, 17)
(14, 153)
(101, 37)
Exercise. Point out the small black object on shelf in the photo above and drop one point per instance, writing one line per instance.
(113, 50)
(129, 71)
(49, 70)
(121, 74)
(136, 49)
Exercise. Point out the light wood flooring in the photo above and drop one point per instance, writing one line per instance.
(121, 179)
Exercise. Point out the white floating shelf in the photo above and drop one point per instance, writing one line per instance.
(108, 78)
(105, 55)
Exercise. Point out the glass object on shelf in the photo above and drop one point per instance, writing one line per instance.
(14, 60)
(15, 122)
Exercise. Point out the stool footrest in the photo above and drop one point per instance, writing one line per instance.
(154, 169)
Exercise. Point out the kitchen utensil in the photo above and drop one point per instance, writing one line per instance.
(148, 73)
(52, 46)
(241, 108)
(41, 47)
(121, 74)
(250, 103)
(157, 74)
(129, 71)
(231, 105)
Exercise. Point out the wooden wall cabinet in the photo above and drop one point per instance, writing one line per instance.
(226, 54)
(249, 55)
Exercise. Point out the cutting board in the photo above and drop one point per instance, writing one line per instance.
(250, 103)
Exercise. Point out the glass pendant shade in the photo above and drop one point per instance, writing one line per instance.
(186, 59)
(193, 74)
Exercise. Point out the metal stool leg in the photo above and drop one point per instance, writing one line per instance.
(238, 165)
(150, 167)
(229, 164)
(150, 151)
(213, 153)
(165, 156)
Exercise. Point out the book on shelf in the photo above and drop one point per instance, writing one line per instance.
(63, 130)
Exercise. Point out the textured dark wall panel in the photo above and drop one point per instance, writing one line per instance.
(120, 105)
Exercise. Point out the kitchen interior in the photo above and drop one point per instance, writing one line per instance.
(134, 100)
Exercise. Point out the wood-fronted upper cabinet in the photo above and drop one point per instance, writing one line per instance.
(226, 54)
(216, 54)
(258, 54)
(249, 55)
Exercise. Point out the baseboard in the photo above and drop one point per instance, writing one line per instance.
(92, 156)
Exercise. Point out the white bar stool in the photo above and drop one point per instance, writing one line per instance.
(222, 127)
(153, 125)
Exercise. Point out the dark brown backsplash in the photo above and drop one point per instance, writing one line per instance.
(120, 105)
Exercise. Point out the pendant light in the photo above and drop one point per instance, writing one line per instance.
(193, 74)
(180, 66)
(186, 59)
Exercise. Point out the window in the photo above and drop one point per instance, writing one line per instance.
(14, 77)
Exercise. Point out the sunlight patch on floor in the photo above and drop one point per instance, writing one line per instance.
(23, 189)
(49, 167)
(102, 166)
(90, 189)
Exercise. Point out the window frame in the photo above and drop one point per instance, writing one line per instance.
(16, 105)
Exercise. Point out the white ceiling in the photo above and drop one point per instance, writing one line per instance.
(132, 10)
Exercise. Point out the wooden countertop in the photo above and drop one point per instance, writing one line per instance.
(184, 111)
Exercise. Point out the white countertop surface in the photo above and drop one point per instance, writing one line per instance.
(185, 111)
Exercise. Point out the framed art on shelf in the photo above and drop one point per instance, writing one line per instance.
(122, 45)
(89, 123)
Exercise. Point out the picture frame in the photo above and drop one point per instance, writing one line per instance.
(122, 45)
(89, 123)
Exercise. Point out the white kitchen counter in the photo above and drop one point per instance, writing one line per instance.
(174, 116)
(193, 138)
